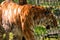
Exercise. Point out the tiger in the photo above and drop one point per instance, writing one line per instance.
(20, 19)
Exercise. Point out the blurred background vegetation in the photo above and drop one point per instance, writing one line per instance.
(40, 31)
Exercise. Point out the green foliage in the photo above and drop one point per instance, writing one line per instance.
(31, 1)
(1, 1)
(39, 30)
(4, 35)
(16, 1)
(57, 12)
(11, 36)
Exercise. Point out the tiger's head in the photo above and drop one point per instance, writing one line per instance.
(43, 16)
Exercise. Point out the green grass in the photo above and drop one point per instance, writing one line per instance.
(50, 39)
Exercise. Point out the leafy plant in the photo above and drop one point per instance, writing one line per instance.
(39, 30)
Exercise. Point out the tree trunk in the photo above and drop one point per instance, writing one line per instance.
(22, 2)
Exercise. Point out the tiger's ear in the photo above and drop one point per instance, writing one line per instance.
(47, 11)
